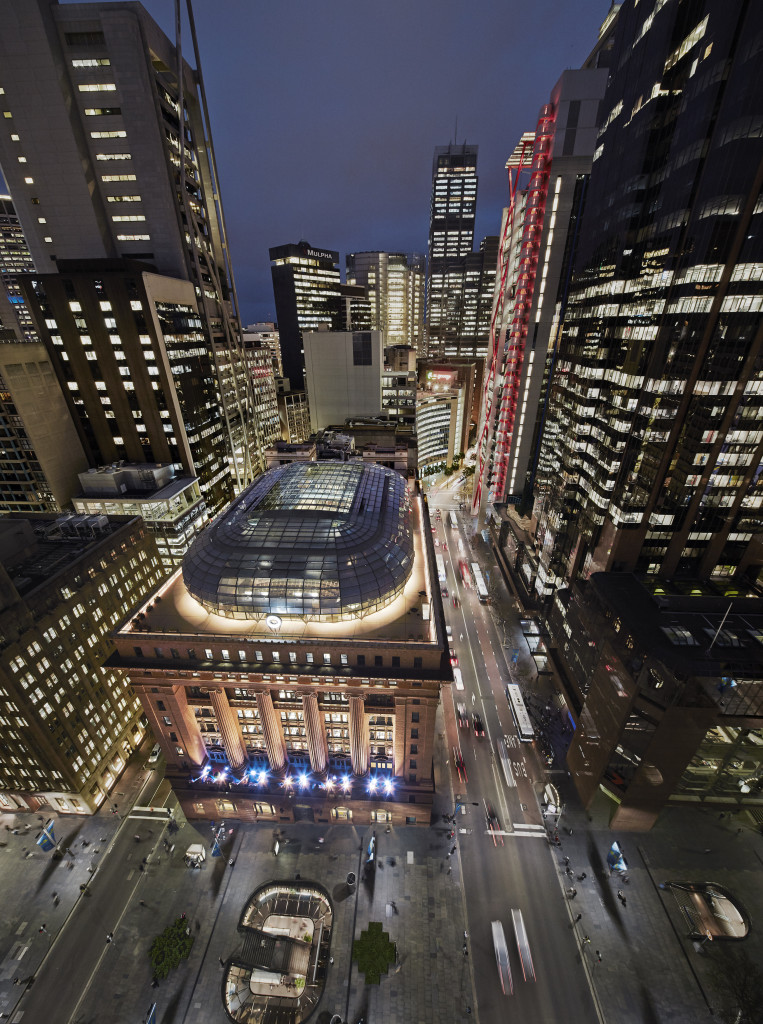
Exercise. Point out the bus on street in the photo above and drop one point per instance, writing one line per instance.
(519, 712)
(479, 583)
(453, 521)
(440, 568)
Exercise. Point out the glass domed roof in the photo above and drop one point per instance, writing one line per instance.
(319, 540)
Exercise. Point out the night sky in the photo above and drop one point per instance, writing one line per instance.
(325, 115)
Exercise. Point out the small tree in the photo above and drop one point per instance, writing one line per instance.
(168, 949)
(374, 953)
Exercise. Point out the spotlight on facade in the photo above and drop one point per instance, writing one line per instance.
(303, 781)
(329, 785)
(262, 777)
(288, 782)
(372, 785)
(388, 787)
(220, 777)
(346, 783)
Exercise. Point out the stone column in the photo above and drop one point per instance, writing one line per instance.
(316, 734)
(271, 730)
(399, 736)
(359, 746)
(230, 731)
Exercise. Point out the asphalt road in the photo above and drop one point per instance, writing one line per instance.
(517, 870)
(80, 948)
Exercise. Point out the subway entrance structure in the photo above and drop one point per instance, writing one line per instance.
(291, 669)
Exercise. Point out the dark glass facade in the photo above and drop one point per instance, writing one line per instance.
(306, 288)
(652, 446)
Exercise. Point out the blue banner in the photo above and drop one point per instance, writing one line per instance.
(615, 858)
(46, 839)
(151, 1017)
(216, 851)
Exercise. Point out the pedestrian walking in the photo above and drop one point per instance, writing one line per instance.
(154, 983)
(141, 867)
(598, 956)
(110, 937)
(453, 848)
(586, 938)
(222, 962)
(568, 871)
(582, 876)
(450, 869)
(566, 860)
(620, 894)
(578, 918)
(623, 901)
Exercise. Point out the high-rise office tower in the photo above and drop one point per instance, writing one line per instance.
(476, 296)
(15, 259)
(306, 288)
(40, 451)
(451, 237)
(548, 174)
(133, 283)
(394, 283)
(65, 583)
(651, 454)
(266, 333)
(416, 302)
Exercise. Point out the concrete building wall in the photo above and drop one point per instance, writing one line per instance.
(343, 371)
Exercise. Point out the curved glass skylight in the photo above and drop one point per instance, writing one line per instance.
(318, 540)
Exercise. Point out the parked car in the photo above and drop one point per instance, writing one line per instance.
(156, 753)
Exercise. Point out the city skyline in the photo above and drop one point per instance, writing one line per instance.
(356, 174)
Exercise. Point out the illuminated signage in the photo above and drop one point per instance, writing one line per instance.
(319, 254)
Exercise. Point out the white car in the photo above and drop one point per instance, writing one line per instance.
(156, 753)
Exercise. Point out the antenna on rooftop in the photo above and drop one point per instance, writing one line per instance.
(455, 133)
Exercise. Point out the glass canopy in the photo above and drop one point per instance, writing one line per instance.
(319, 540)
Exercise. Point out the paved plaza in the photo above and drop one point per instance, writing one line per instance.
(649, 971)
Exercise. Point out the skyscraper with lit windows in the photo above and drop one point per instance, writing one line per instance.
(652, 449)
(394, 283)
(451, 238)
(105, 149)
(307, 292)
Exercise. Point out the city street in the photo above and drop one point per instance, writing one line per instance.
(593, 958)
(519, 863)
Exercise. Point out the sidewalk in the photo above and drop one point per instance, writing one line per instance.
(649, 971)
(37, 890)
